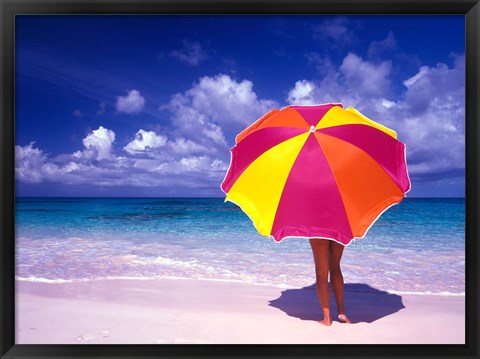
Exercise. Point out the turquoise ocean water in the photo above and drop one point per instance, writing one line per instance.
(417, 246)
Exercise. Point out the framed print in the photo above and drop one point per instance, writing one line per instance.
(225, 178)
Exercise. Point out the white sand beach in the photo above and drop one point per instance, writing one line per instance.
(165, 311)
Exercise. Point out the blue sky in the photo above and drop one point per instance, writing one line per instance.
(150, 105)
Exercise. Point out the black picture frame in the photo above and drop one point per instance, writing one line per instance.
(9, 8)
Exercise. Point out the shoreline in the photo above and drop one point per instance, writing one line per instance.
(42, 280)
(166, 311)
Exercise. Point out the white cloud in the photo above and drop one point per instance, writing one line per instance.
(302, 93)
(203, 166)
(173, 167)
(367, 78)
(192, 53)
(219, 165)
(183, 146)
(98, 144)
(214, 105)
(32, 165)
(195, 162)
(132, 103)
(433, 115)
(386, 103)
(72, 167)
(435, 84)
(191, 153)
(226, 101)
(28, 163)
(418, 76)
(429, 116)
(145, 141)
(353, 82)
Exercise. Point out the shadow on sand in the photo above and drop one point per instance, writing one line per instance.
(362, 303)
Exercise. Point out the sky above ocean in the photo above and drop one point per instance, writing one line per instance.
(151, 105)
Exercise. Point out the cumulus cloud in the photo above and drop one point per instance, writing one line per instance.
(439, 84)
(182, 146)
(302, 93)
(32, 165)
(191, 152)
(433, 120)
(354, 81)
(162, 163)
(98, 144)
(367, 78)
(195, 163)
(429, 115)
(145, 141)
(132, 103)
(28, 163)
(214, 105)
(192, 53)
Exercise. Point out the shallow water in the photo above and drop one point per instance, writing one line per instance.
(417, 246)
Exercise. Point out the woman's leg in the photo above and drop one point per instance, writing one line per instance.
(321, 256)
(336, 278)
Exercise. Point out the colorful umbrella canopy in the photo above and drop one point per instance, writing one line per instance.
(316, 171)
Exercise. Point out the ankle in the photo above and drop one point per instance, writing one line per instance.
(327, 315)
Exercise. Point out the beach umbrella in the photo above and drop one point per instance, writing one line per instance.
(316, 171)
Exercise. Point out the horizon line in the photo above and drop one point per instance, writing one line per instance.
(416, 197)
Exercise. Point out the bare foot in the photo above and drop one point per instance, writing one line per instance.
(344, 319)
(327, 322)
